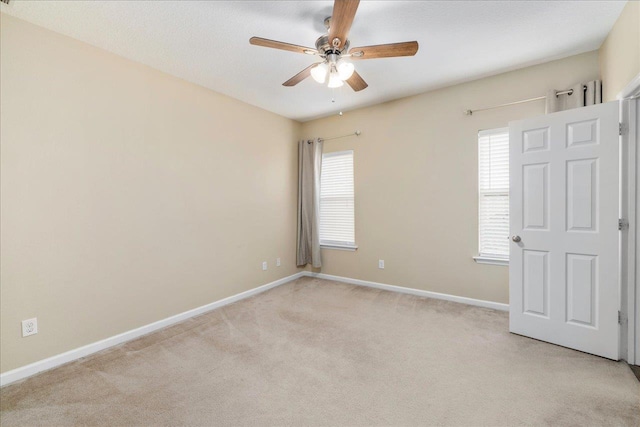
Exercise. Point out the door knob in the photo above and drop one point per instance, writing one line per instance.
(516, 239)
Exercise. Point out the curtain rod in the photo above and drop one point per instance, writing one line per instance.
(356, 133)
(558, 92)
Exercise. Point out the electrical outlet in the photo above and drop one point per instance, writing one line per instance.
(29, 327)
(277, 262)
(381, 264)
(264, 265)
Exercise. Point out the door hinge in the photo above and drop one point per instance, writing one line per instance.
(623, 224)
(621, 317)
(621, 129)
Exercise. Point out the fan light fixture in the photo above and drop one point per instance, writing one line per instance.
(319, 72)
(336, 73)
(335, 80)
(345, 70)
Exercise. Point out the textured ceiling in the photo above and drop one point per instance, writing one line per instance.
(207, 42)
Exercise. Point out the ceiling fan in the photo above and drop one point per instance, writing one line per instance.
(333, 47)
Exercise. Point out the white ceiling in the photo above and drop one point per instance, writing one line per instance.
(207, 42)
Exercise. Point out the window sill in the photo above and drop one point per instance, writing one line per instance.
(339, 247)
(491, 261)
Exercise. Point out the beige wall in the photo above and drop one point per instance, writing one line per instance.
(416, 179)
(620, 52)
(128, 195)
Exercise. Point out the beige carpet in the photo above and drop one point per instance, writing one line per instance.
(315, 352)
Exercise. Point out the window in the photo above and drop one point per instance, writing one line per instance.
(337, 227)
(493, 186)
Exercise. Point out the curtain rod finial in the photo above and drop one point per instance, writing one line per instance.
(358, 133)
(468, 113)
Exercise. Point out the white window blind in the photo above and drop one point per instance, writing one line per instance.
(337, 200)
(493, 179)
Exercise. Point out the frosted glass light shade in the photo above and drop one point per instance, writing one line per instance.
(335, 80)
(319, 72)
(345, 70)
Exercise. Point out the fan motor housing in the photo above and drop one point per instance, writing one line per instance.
(323, 45)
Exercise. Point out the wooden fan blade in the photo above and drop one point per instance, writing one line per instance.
(356, 82)
(341, 19)
(259, 41)
(384, 50)
(300, 76)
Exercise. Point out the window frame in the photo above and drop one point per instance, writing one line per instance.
(485, 258)
(334, 244)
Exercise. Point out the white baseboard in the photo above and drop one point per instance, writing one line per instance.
(411, 291)
(71, 355)
(78, 353)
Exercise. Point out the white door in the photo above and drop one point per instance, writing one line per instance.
(563, 209)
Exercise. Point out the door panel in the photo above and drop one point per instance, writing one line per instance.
(536, 140)
(536, 197)
(564, 203)
(582, 195)
(536, 282)
(582, 133)
(581, 289)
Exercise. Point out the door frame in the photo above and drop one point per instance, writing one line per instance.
(629, 99)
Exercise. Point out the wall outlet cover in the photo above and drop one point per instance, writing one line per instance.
(264, 265)
(381, 263)
(29, 327)
(277, 262)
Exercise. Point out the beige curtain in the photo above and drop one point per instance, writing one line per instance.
(309, 168)
(583, 94)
